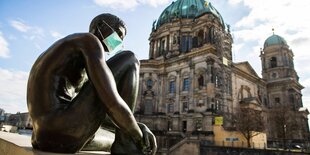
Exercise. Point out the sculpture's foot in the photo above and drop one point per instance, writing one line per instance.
(101, 142)
(124, 145)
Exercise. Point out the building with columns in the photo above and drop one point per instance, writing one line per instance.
(190, 81)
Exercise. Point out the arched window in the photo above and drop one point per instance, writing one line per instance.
(186, 84)
(200, 38)
(186, 43)
(149, 83)
(200, 81)
(244, 92)
(162, 47)
(273, 62)
(172, 87)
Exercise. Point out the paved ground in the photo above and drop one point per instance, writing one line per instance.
(14, 144)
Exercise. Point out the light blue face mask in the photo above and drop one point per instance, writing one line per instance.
(113, 42)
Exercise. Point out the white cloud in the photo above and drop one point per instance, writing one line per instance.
(4, 47)
(285, 16)
(234, 2)
(129, 4)
(20, 26)
(13, 86)
(30, 32)
(289, 19)
(56, 34)
(155, 3)
(117, 4)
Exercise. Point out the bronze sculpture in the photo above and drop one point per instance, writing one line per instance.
(71, 89)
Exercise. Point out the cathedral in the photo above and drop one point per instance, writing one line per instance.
(190, 87)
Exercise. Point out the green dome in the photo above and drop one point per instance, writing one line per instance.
(274, 40)
(189, 9)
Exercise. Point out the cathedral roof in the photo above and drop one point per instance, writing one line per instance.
(246, 67)
(274, 40)
(189, 9)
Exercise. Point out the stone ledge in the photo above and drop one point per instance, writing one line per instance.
(15, 144)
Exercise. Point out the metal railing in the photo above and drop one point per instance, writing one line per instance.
(256, 145)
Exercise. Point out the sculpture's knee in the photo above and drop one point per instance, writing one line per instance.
(131, 57)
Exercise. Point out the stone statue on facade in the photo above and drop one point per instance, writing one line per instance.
(72, 91)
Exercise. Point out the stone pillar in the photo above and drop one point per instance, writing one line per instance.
(192, 85)
(178, 88)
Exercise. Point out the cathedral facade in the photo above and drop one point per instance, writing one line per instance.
(190, 84)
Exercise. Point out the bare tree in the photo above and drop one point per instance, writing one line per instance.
(284, 122)
(249, 123)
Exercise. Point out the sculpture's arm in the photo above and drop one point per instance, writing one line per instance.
(104, 83)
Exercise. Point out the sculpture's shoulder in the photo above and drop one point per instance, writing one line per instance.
(81, 40)
(80, 36)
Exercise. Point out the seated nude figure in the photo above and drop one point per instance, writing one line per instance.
(72, 89)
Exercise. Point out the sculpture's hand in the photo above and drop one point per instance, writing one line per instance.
(149, 145)
(145, 145)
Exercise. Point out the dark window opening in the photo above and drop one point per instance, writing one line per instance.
(149, 83)
(183, 44)
(195, 42)
(201, 81)
(186, 84)
(200, 38)
(162, 48)
(273, 62)
(172, 87)
(169, 126)
(277, 100)
(186, 44)
(185, 106)
(184, 126)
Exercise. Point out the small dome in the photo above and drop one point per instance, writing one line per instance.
(189, 9)
(274, 40)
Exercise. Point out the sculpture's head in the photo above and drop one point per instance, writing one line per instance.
(110, 29)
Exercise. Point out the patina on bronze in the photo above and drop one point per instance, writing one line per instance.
(71, 89)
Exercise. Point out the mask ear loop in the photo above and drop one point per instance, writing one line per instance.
(100, 32)
(107, 25)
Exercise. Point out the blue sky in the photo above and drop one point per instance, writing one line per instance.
(29, 27)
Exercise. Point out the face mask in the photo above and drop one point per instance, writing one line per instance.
(113, 42)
